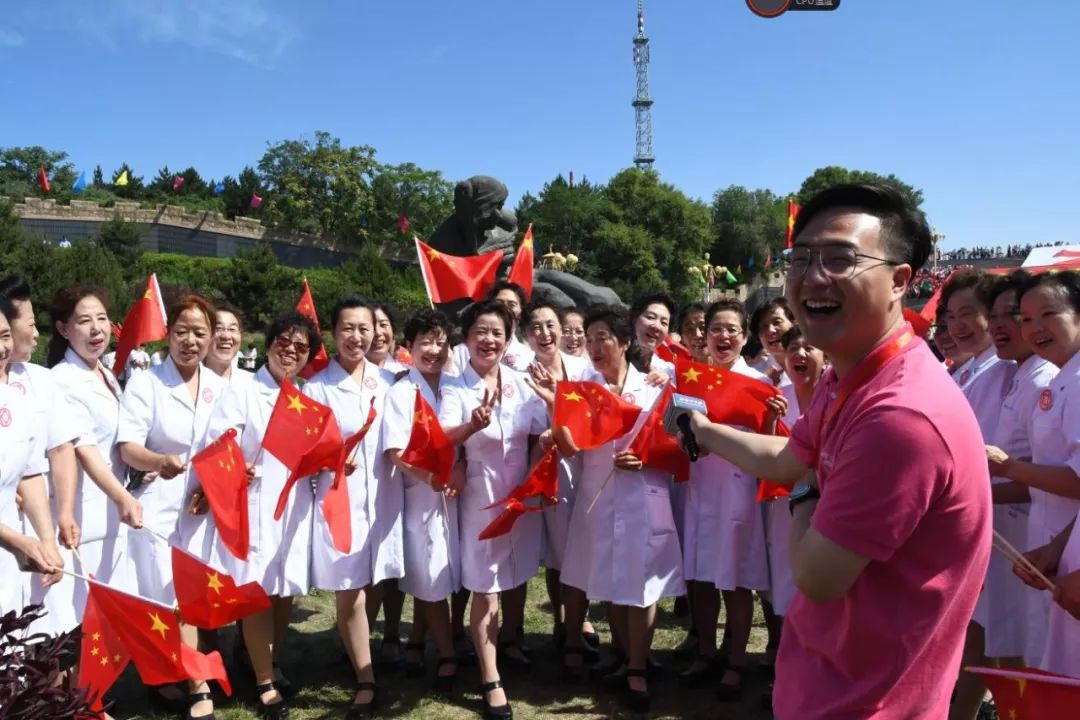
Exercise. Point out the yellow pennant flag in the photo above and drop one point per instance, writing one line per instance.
(122, 180)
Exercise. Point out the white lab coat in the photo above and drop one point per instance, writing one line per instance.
(777, 515)
(376, 498)
(22, 449)
(157, 412)
(517, 356)
(497, 460)
(430, 528)
(1062, 648)
(626, 551)
(279, 551)
(724, 527)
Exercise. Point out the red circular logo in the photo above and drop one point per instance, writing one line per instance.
(510, 359)
(19, 386)
(5, 417)
(371, 383)
(630, 397)
(1046, 399)
(508, 391)
(207, 395)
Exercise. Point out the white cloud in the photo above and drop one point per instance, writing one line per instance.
(10, 39)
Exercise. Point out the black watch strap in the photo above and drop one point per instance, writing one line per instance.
(802, 493)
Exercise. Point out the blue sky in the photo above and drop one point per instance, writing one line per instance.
(974, 102)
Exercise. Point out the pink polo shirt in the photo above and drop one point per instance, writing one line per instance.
(904, 482)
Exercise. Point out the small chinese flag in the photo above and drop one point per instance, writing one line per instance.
(256, 201)
(43, 180)
(792, 213)
(1030, 694)
(919, 324)
(297, 425)
(177, 182)
(591, 413)
(731, 397)
(151, 636)
(504, 523)
(211, 599)
(102, 657)
(145, 322)
(403, 224)
(668, 349)
(428, 448)
(542, 482)
(403, 356)
(452, 277)
(306, 306)
(521, 272)
(223, 476)
(655, 447)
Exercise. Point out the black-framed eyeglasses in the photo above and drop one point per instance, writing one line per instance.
(285, 343)
(837, 261)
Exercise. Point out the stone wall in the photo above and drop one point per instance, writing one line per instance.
(172, 229)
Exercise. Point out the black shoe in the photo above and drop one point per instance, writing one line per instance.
(363, 711)
(501, 712)
(466, 653)
(414, 668)
(390, 662)
(514, 662)
(283, 685)
(730, 693)
(444, 684)
(273, 711)
(637, 700)
(700, 674)
(592, 647)
(193, 699)
(616, 660)
(573, 674)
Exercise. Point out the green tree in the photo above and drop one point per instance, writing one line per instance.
(11, 232)
(258, 284)
(747, 227)
(425, 197)
(99, 177)
(124, 240)
(834, 174)
(237, 193)
(565, 217)
(19, 168)
(319, 187)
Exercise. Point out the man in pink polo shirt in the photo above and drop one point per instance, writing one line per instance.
(891, 532)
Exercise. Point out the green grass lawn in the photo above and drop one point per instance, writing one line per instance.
(315, 662)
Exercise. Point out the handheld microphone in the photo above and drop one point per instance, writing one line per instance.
(689, 442)
(677, 417)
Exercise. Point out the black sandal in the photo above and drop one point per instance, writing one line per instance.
(444, 684)
(392, 663)
(272, 711)
(283, 685)
(195, 698)
(601, 673)
(638, 700)
(500, 712)
(731, 693)
(414, 668)
(362, 711)
(573, 674)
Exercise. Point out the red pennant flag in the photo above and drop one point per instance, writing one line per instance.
(731, 397)
(177, 182)
(542, 482)
(792, 213)
(655, 447)
(428, 449)
(1030, 694)
(403, 356)
(504, 523)
(452, 277)
(919, 324)
(151, 636)
(668, 349)
(102, 657)
(116, 329)
(306, 306)
(521, 272)
(403, 224)
(211, 599)
(223, 477)
(43, 180)
(256, 201)
(145, 322)
(591, 413)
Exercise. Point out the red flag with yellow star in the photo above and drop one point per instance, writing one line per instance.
(731, 397)
(657, 449)
(306, 306)
(102, 656)
(542, 482)
(223, 477)
(145, 322)
(521, 272)
(668, 349)
(452, 277)
(504, 523)
(428, 448)
(298, 426)
(1030, 694)
(591, 413)
(151, 636)
(209, 598)
(792, 213)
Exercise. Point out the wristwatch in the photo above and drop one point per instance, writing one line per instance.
(802, 493)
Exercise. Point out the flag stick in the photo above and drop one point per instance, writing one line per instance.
(423, 275)
(91, 580)
(601, 490)
(78, 556)
(155, 533)
(1021, 675)
(1016, 557)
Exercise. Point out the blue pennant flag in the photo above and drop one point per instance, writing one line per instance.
(80, 184)
(219, 188)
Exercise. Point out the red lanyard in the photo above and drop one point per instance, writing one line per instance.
(865, 370)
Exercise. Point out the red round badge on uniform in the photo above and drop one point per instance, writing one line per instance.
(629, 397)
(508, 391)
(207, 395)
(1046, 399)
(371, 383)
(5, 417)
(19, 386)
(510, 359)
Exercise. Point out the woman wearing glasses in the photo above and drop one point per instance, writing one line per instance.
(573, 332)
(279, 552)
(724, 550)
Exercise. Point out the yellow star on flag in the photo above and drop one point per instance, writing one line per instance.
(159, 625)
(147, 295)
(691, 375)
(94, 651)
(214, 582)
(433, 254)
(1022, 682)
(572, 396)
(95, 637)
(104, 661)
(295, 403)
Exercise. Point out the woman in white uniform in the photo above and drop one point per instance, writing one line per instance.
(492, 412)
(651, 316)
(1050, 324)
(224, 354)
(352, 385)
(432, 551)
(280, 550)
(164, 414)
(573, 332)
(724, 551)
(626, 551)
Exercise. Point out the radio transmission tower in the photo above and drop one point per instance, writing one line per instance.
(643, 157)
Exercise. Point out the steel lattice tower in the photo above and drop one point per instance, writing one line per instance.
(643, 157)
